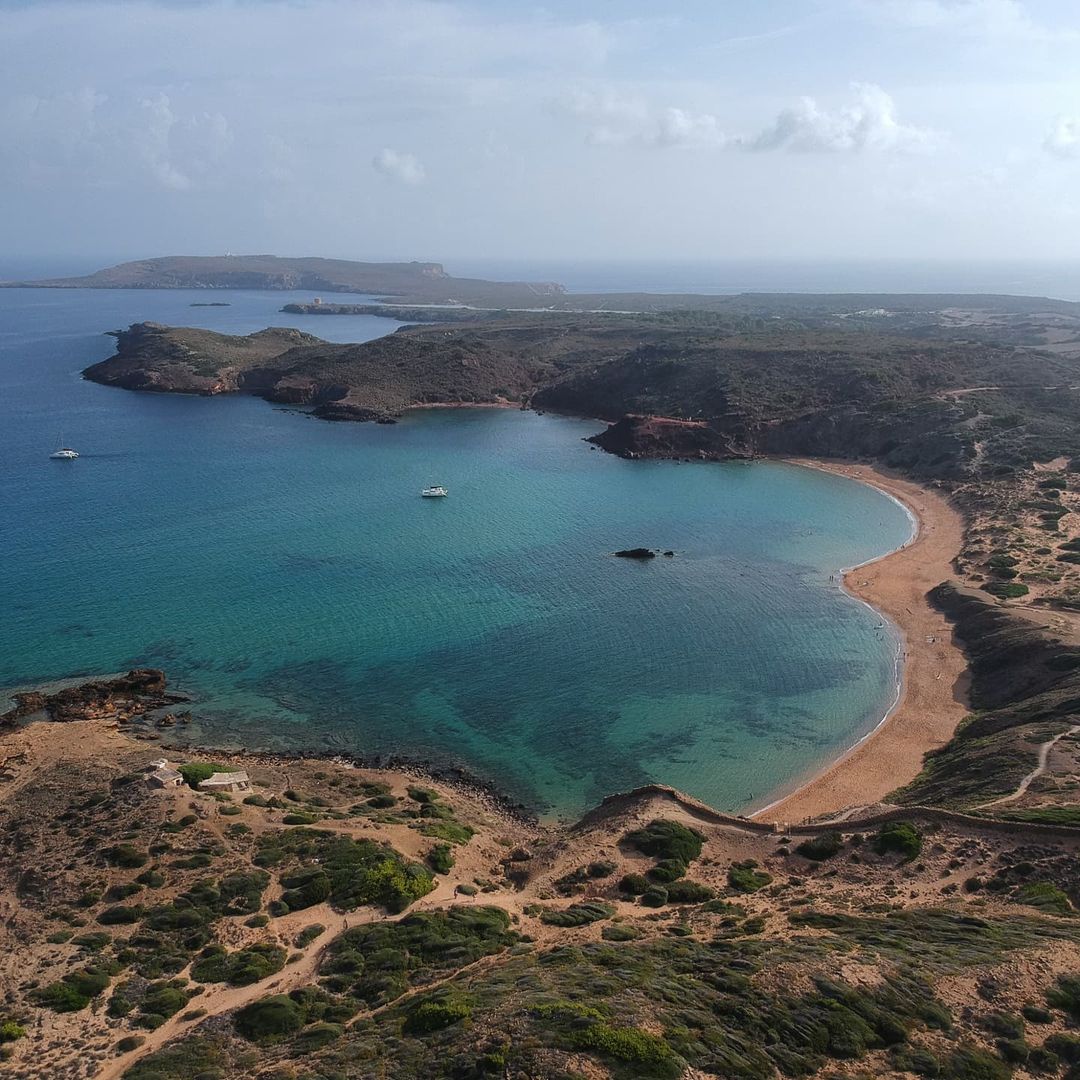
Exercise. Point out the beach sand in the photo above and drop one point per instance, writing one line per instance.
(933, 696)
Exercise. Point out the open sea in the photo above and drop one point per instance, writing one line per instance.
(285, 572)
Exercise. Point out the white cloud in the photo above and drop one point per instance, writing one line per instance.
(869, 122)
(615, 120)
(1063, 139)
(405, 168)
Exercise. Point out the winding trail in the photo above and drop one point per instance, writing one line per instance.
(217, 999)
(1040, 768)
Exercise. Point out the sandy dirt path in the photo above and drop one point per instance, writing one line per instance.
(1040, 768)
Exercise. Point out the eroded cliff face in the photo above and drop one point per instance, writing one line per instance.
(925, 441)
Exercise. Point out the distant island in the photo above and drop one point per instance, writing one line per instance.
(412, 282)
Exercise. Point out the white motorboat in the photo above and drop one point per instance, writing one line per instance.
(436, 492)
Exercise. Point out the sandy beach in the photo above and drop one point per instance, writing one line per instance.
(932, 697)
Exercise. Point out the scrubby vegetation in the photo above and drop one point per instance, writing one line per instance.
(822, 847)
(745, 877)
(901, 837)
(318, 865)
(577, 914)
(674, 846)
(239, 968)
(377, 963)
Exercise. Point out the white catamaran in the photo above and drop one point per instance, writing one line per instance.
(64, 453)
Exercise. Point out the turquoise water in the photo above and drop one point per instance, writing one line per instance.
(285, 572)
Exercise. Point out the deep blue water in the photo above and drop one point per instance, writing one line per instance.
(286, 573)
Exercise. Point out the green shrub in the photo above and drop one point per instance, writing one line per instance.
(634, 884)
(620, 932)
(1066, 996)
(821, 847)
(73, 992)
(243, 967)
(299, 819)
(121, 892)
(441, 858)
(1008, 1025)
(743, 877)
(1045, 897)
(654, 896)
(1041, 1060)
(316, 1036)
(382, 802)
(1036, 1014)
(577, 914)
(435, 1015)
(10, 1031)
(667, 870)
(899, 836)
(129, 1043)
(375, 962)
(308, 935)
(306, 889)
(422, 795)
(92, 942)
(1065, 1046)
(689, 892)
(648, 1055)
(601, 868)
(358, 871)
(1006, 590)
(1014, 1051)
(125, 855)
(269, 1019)
(453, 832)
(120, 915)
(664, 839)
(971, 1063)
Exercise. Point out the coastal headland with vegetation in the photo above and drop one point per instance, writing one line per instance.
(911, 911)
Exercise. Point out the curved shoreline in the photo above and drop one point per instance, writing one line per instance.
(931, 693)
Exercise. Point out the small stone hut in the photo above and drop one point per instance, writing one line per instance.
(226, 781)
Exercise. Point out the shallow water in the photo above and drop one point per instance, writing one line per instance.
(285, 572)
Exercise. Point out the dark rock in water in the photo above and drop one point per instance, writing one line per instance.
(636, 553)
(669, 554)
(117, 699)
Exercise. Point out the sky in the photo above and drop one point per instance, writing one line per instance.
(595, 129)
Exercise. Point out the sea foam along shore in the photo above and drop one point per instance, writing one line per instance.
(931, 699)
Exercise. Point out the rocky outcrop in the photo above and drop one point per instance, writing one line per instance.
(637, 436)
(122, 698)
